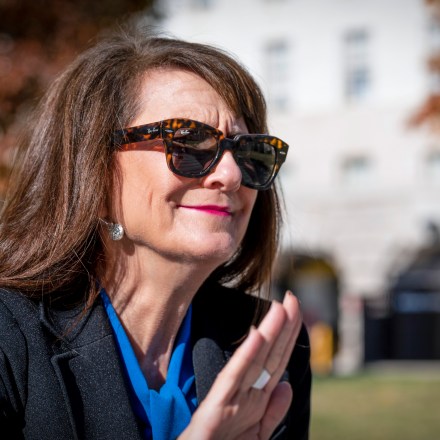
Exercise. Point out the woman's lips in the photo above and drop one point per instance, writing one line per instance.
(210, 209)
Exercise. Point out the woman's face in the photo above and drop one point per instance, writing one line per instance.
(180, 218)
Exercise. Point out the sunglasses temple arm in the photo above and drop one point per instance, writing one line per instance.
(137, 134)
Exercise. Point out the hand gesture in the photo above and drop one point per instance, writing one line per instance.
(247, 401)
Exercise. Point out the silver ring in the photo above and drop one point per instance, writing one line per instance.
(262, 380)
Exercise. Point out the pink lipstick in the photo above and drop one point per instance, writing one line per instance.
(210, 209)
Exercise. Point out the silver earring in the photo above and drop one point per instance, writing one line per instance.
(115, 230)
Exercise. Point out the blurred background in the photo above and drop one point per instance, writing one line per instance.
(354, 87)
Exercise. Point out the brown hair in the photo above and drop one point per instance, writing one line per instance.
(49, 239)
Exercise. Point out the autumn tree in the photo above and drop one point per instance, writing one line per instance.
(429, 112)
(37, 39)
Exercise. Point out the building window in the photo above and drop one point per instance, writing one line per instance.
(434, 51)
(202, 4)
(277, 64)
(432, 165)
(357, 71)
(356, 171)
(434, 34)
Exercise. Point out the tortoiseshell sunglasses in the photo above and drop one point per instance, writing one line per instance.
(192, 149)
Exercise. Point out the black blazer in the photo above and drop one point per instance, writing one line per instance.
(61, 376)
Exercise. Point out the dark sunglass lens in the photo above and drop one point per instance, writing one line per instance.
(193, 150)
(256, 160)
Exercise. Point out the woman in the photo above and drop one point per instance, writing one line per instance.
(114, 316)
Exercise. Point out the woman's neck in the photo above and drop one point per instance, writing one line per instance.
(151, 301)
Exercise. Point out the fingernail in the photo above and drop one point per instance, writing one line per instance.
(288, 294)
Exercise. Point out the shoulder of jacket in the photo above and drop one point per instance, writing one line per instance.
(15, 313)
(16, 307)
(14, 353)
(15, 300)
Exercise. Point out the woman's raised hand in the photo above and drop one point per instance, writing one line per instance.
(237, 406)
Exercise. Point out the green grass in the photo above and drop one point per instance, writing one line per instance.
(377, 406)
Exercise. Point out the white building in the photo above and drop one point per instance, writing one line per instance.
(342, 78)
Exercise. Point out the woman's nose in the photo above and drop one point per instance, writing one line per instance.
(226, 175)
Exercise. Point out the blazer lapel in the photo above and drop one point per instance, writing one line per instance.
(90, 375)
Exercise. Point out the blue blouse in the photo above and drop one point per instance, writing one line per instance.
(163, 414)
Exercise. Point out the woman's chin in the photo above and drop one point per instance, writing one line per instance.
(212, 252)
